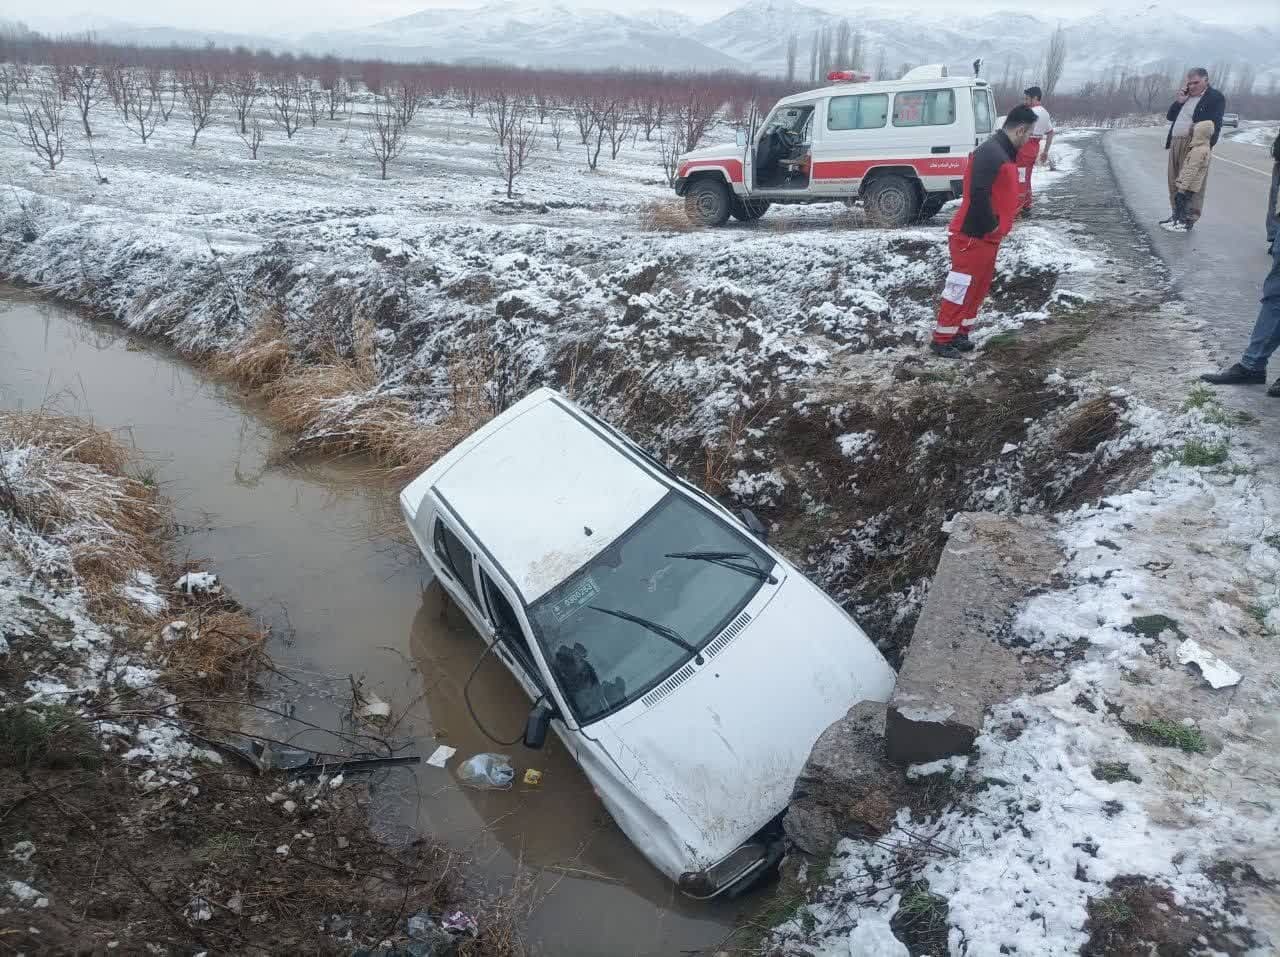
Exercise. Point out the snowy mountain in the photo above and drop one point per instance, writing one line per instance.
(754, 36)
(530, 34)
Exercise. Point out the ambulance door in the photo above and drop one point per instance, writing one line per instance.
(849, 138)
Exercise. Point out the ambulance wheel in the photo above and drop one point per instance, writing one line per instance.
(931, 206)
(891, 201)
(748, 210)
(707, 203)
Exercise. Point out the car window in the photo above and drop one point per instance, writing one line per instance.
(504, 618)
(456, 558)
(924, 108)
(602, 662)
(868, 111)
(981, 111)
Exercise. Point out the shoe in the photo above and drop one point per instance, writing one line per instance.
(1274, 391)
(1176, 226)
(962, 343)
(1236, 375)
(945, 350)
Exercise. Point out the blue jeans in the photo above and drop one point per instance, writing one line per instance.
(1273, 224)
(1266, 330)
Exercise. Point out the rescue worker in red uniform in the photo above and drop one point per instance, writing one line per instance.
(991, 204)
(1030, 152)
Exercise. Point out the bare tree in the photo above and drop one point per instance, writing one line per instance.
(384, 139)
(315, 105)
(792, 52)
(337, 95)
(407, 95)
(584, 118)
(499, 109)
(199, 89)
(83, 86)
(8, 81)
(814, 55)
(163, 90)
(1055, 58)
(670, 149)
(882, 64)
(1147, 90)
(135, 98)
(1246, 80)
(252, 137)
(621, 124)
(557, 128)
(41, 129)
(697, 113)
(287, 103)
(242, 90)
(603, 109)
(518, 142)
(471, 98)
(840, 54)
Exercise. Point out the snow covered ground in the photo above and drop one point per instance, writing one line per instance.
(1255, 134)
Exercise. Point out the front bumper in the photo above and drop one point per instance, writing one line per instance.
(741, 869)
(681, 184)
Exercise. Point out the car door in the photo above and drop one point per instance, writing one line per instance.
(849, 137)
(512, 642)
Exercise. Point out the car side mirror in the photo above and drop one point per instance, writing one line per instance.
(535, 728)
(754, 525)
(741, 138)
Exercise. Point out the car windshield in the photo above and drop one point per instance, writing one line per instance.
(602, 661)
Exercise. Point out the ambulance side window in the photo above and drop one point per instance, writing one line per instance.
(981, 111)
(925, 108)
(866, 112)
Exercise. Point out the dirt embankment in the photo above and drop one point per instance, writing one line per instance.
(124, 826)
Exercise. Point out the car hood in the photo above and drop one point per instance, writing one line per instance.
(727, 745)
(721, 151)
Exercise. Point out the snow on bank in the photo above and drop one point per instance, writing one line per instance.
(1262, 136)
(1069, 787)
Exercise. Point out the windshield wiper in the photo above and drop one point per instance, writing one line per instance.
(658, 629)
(725, 560)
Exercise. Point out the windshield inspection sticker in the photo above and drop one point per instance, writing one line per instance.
(575, 599)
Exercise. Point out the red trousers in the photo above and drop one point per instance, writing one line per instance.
(973, 266)
(1026, 162)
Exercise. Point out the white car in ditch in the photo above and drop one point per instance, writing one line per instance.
(687, 666)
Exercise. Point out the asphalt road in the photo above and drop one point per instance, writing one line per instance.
(1217, 268)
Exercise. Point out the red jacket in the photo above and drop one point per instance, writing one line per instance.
(990, 191)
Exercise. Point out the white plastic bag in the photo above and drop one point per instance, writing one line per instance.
(487, 771)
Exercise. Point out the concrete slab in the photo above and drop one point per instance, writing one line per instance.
(956, 666)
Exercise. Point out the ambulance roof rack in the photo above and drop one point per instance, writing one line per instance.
(932, 71)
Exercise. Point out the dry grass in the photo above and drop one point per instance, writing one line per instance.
(665, 216)
(76, 513)
(221, 649)
(263, 359)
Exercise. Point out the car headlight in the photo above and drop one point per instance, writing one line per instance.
(706, 884)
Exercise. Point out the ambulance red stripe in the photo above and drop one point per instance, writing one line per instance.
(857, 169)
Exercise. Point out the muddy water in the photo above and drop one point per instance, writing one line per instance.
(309, 547)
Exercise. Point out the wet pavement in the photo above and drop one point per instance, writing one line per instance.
(312, 548)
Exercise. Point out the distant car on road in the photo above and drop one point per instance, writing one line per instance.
(685, 664)
(1231, 119)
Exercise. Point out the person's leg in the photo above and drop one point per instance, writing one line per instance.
(1195, 205)
(1266, 329)
(972, 262)
(1273, 222)
(1026, 162)
(984, 275)
(1176, 148)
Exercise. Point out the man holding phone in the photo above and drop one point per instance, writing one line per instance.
(1196, 101)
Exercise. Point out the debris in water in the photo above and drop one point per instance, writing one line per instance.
(375, 707)
(532, 777)
(459, 922)
(22, 851)
(198, 583)
(1216, 671)
(441, 755)
(487, 771)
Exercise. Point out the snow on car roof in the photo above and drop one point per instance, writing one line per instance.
(537, 480)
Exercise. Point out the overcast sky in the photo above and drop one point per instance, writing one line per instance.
(291, 16)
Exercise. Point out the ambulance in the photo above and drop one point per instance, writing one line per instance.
(898, 147)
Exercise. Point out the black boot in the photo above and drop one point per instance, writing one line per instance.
(1236, 375)
(962, 343)
(945, 350)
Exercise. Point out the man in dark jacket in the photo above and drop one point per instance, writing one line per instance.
(1196, 101)
(991, 203)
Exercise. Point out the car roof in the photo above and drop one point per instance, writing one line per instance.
(882, 86)
(544, 489)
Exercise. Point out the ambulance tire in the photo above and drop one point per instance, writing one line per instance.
(931, 206)
(707, 203)
(748, 210)
(891, 200)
